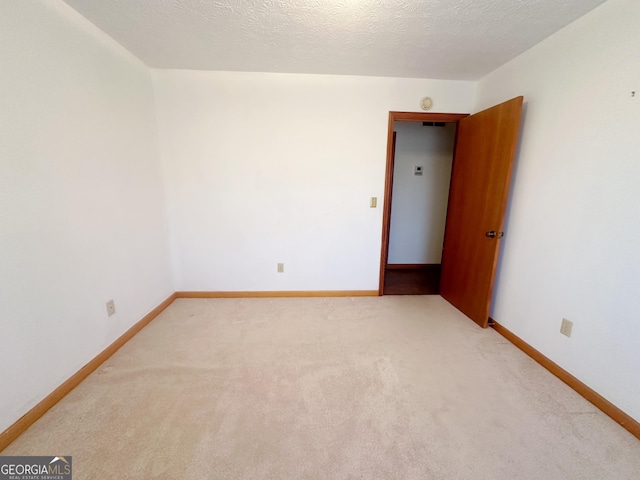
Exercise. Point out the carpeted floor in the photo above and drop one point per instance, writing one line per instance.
(336, 388)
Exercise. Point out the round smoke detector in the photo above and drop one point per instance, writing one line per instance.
(426, 103)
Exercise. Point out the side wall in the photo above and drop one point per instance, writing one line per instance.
(81, 202)
(572, 245)
(419, 207)
(268, 168)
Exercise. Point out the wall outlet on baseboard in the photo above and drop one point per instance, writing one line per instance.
(565, 327)
(111, 307)
(280, 267)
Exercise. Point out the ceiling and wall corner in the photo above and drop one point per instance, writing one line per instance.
(443, 39)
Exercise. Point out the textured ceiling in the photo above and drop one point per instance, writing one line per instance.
(449, 39)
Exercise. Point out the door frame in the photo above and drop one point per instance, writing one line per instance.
(388, 181)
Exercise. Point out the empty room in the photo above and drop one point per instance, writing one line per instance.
(323, 240)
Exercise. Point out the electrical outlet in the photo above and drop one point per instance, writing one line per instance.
(111, 307)
(280, 267)
(566, 327)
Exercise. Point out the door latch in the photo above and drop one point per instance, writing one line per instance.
(494, 234)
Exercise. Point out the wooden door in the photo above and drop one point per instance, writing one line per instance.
(483, 159)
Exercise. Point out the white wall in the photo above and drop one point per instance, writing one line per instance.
(572, 245)
(81, 215)
(268, 168)
(419, 207)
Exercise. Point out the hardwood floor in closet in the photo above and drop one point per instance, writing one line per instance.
(423, 280)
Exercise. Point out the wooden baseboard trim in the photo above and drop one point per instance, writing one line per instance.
(280, 294)
(617, 415)
(29, 418)
(413, 266)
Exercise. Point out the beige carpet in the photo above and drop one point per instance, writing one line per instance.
(340, 388)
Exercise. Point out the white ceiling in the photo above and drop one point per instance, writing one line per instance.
(449, 39)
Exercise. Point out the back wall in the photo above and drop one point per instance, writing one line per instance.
(419, 207)
(266, 168)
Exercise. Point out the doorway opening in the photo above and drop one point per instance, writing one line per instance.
(419, 162)
(484, 151)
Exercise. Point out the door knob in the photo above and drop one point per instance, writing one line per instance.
(494, 234)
